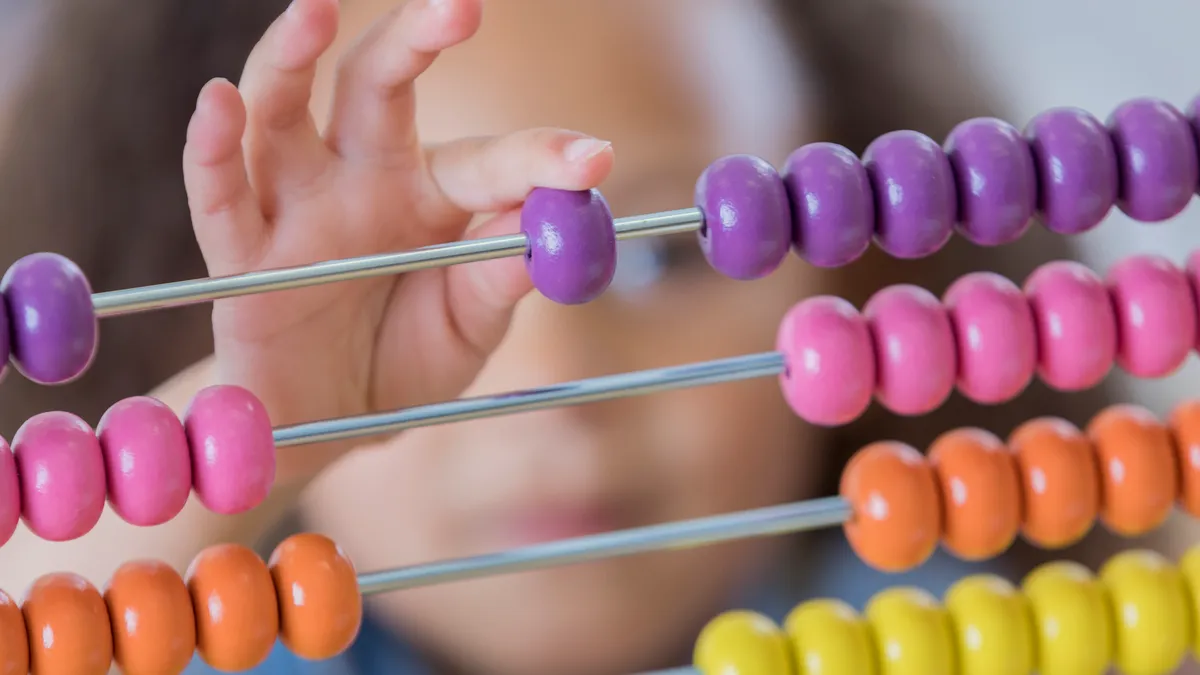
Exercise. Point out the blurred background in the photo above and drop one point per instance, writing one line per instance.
(1094, 54)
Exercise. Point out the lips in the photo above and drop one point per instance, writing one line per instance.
(550, 521)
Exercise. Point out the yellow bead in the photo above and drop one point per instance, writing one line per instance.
(742, 643)
(993, 626)
(912, 633)
(829, 638)
(1189, 565)
(1151, 617)
(1072, 625)
(1071, 620)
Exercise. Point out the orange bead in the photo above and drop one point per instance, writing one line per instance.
(981, 493)
(69, 630)
(14, 642)
(320, 607)
(897, 517)
(1139, 479)
(237, 617)
(1060, 481)
(1185, 427)
(154, 627)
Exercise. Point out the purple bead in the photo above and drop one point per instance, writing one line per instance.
(747, 227)
(1076, 168)
(833, 208)
(1156, 158)
(997, 183)
(1193, 113)
(915, 201)
(572, 251)
(54, 331)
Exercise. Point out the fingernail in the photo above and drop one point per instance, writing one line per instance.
(584, 148)
(293, 9)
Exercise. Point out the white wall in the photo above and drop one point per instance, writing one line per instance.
(1094, 54)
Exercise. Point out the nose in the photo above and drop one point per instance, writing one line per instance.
(575, 448)
(548, 343)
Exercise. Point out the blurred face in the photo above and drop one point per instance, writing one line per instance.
(673, 85)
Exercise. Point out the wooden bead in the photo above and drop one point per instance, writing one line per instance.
(14, 642)
(320, 607)
(981, 493)
(237, 617)
(1060, 482)
(1137, 469)
(154, 626)
(69, 627)
(1185, 426)
(897, 517)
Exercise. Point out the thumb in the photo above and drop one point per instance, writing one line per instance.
(440, 326)
(481, 296)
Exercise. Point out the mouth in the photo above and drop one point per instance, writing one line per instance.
(554, 521)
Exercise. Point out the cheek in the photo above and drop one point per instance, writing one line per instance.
(386, 505)
(732, 447)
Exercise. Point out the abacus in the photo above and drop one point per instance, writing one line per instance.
(972, 492)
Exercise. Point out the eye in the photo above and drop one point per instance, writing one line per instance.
(682, 253)
(643, 263)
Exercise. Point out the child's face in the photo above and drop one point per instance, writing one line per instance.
(640, 76)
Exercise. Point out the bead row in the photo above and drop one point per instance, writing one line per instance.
(1139, 613)
(231, 608)
(987, 181)
(907, 193)
(909, 350)
(906, 348)
(1050, 482)
(142, 458)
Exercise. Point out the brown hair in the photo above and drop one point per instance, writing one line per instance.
(92, 170)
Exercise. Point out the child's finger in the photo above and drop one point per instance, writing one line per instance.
(468, 308)
(372, 117)
(488, 175)
(277, 85)
(481, 296)
(225, 212)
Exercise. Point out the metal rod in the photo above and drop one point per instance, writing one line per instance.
(747, 367)
(180, 293)
(774, 520)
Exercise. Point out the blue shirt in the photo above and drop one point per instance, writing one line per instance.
(838, 573)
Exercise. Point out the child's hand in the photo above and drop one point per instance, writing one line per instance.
(268, 190)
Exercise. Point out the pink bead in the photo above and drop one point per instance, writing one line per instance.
(10, 493)
(233, 449)
(1077, 329)
(61, 470)
(1193, 275)
(146, 459)
(830, 361)
(914, 347)
(996, 337)
(1156, 315)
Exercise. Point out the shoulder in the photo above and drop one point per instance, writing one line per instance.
(830, 569)
(374, 651)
